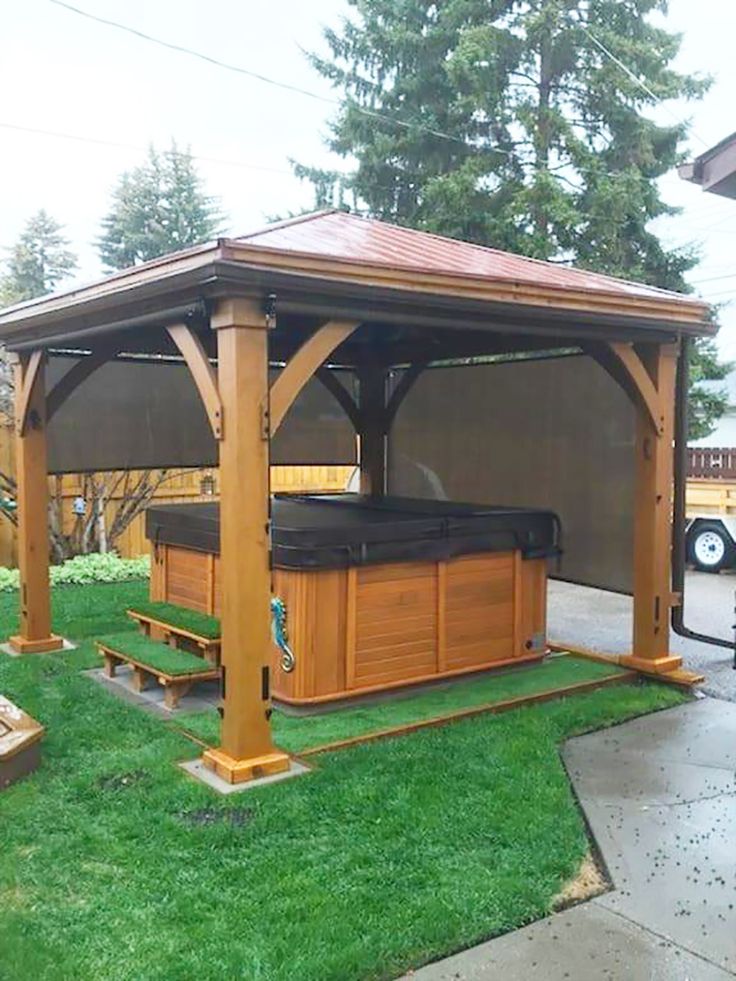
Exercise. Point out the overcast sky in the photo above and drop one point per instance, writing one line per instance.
(63, 73)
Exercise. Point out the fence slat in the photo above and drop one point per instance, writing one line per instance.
(711, 461)
(183, 487)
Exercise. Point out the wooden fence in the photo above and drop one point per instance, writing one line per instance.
(712, 462)
(184, 486)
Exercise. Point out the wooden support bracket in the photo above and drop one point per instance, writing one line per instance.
(629, 370)
(202, 372)
(304, 364)
(29, 373)
(406, 383)
(77, 374)
(341, 394)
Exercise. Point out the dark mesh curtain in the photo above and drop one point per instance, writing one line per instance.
(554, 433)
(137, 414)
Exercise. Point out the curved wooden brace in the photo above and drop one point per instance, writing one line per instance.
(77, 374)
(313, 352)
(625, 366)
(341, 394)
(202, 372)
(29, 373)
(401, 391)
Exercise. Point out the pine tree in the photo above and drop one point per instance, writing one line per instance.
(38, 262)
(159, 207)
(521, 124)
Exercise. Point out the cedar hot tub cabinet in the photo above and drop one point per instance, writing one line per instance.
(379, 592)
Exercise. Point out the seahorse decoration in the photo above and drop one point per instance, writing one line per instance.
(280, 634)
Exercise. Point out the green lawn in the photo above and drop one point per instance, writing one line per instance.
(115, 865)
(298, 733)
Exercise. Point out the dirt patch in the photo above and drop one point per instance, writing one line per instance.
(206, 816)
(590, 881)
(120, 781)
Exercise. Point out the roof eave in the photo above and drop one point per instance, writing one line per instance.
(675, 308)
(229, 266)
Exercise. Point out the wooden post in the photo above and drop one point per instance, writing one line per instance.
(35, 635)
(653, 516)
(242, 349)
(372, 400)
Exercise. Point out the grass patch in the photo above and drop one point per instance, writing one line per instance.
(114, 864)
(200, 624)
(297, 733)
(155, 655)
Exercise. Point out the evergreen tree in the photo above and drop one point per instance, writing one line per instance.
(519, 124)
(38, 261)
(159, 207)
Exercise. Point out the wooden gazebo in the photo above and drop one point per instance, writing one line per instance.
(325, 290)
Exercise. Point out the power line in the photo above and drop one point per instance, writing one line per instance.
(713, 279)
(633, 77)
(286, 86)
(218, 63)
(132, 146)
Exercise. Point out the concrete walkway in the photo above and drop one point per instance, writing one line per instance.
(603, 621)
(660, 796)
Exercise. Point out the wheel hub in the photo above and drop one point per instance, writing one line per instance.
(709, 548)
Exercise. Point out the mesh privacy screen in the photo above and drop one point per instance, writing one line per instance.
(553, 433)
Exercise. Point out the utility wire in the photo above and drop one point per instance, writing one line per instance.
(632, 76)
(712, 279)
(132, 146)
(330, 100)
(286, 86)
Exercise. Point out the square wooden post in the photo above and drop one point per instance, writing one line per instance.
(653, 517)
(35, 636)
(247, 750)
(372, 403)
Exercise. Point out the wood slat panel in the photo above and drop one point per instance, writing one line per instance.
(396, 622)
(479, 612)
(395, 572)
(407, 648)
(388, 628)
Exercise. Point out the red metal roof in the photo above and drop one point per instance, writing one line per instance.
(342, 236)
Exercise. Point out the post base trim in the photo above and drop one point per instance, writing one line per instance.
(651, 665)
(44, 646)
(234, 770)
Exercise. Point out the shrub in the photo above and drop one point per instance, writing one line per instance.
(83, 570)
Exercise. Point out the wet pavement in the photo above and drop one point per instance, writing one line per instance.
(602, 621)
(659, 794)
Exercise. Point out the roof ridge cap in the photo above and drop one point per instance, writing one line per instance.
(285, 223)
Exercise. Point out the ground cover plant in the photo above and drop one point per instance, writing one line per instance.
(115, 864)
(84, 570)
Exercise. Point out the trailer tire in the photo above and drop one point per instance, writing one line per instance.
(710, 547)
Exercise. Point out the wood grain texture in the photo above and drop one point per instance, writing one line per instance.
(377, 627)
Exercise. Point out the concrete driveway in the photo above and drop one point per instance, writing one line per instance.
(602, 621)
(659, 794)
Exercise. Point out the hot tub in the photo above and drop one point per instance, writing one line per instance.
(379, 592)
